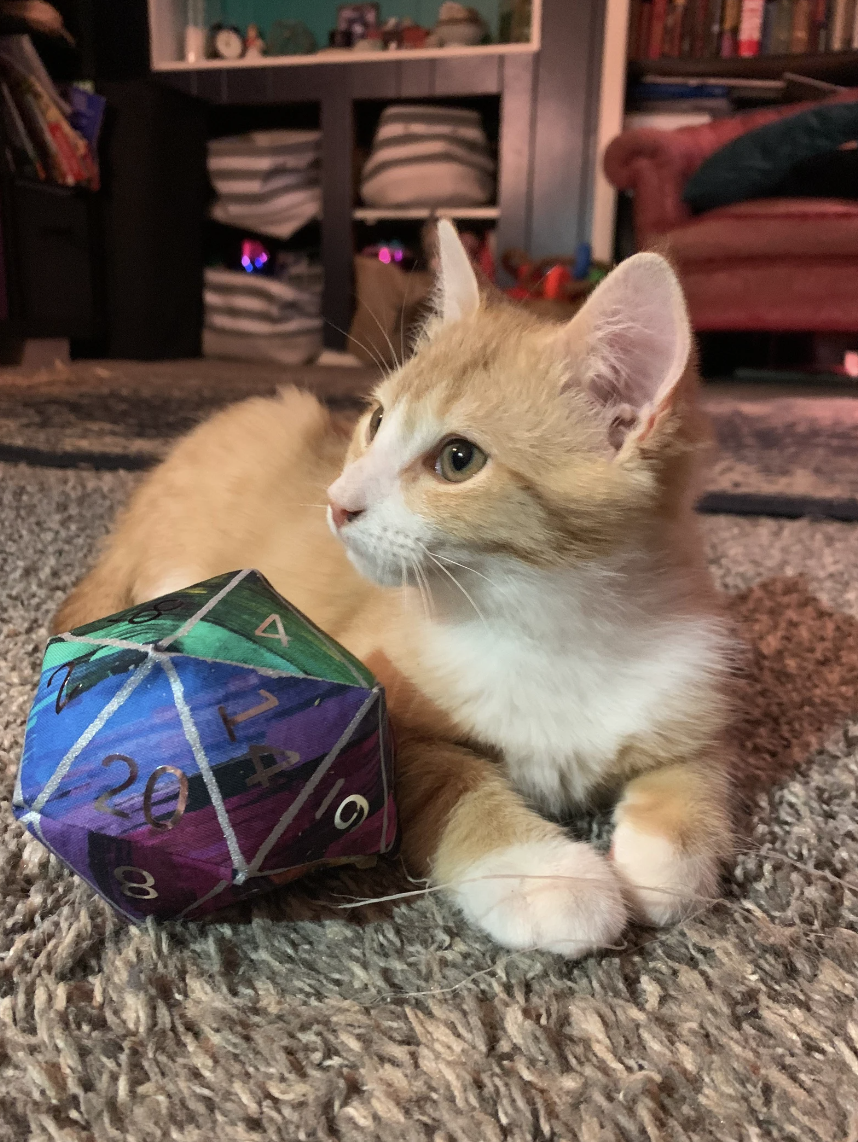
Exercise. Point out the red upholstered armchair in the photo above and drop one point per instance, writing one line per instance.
(775, 264)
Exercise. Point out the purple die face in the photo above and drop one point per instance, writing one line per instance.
(175, 785)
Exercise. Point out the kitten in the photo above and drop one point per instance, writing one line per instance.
(533, 485)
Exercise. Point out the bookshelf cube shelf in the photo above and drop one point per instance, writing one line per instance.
(547, 92)
(167, 21)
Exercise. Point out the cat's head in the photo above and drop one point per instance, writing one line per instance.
(506, 436)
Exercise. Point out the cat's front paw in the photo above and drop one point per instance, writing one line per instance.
(557, 895)
(662, 884)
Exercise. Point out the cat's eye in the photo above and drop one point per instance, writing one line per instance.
(459, 460)
(374, 423)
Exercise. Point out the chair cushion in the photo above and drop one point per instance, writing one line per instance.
(769, 228)
(753, 164)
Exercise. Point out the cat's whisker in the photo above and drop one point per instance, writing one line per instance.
(396, 361)
(374, 356)
(423, 587)
(403, 596)
(455, 986)
(428, 592)
(402, 310)
(464, 566)
(546, 879)
(454, 580)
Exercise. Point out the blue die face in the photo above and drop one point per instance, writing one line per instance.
(176, 783)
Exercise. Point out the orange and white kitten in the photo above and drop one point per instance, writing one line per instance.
(535, 483)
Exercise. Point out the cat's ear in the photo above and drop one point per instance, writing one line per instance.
(631, 340)
(458, 294)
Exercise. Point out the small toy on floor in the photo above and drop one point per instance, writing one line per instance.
(204, 747)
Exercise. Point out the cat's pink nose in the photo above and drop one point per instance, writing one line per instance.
(341, 515)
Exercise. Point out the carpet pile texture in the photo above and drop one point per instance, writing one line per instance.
(128, 413)
(297, 1019)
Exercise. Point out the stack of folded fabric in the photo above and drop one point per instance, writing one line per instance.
(266, 181)
(433, 156)
(251, 317)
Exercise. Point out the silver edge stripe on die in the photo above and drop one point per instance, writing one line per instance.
(290, 814)
(382, 753)
(91, 730)
(204, 610)
(119, 643)
(33, 821)
(330, 644)
(220, 887)
(193, 738)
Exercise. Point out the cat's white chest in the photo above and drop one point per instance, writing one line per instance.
(559, 714)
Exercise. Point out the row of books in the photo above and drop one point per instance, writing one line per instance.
(705, 29)
(46, 135)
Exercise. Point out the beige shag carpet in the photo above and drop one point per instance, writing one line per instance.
(127, 413)
(295, 1019)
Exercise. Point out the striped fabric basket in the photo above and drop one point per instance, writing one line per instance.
(251, 317)
(266, 181)
(432, 156)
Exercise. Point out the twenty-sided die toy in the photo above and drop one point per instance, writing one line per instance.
(205, 746)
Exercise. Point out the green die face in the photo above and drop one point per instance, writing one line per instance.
(205, 746)
(247, 622)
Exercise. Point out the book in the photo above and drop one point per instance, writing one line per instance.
(840, 31)
(735, 84)
(819, 25)
(87, 112)
(632, 50)
(800, 27)
(730, 17)
(651, 89)
(750, 28)
(42, 137)
(19, 137)
(658, 18)
(699, 14)
(71, 149)
(644, 25)
(664, 121)
(18, 53)
(768, 24)
(713, 28)
(59, 151)
(673, 28)
(798, 88)
(781, 27)
(714, 108)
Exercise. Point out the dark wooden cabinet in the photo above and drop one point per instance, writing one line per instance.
(50, 255)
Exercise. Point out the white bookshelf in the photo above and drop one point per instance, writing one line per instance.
(612, 97)
(166, 37)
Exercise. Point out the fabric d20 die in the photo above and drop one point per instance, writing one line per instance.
(175, 783)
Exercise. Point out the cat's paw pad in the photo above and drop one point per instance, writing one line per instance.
(662, 884)
(557, 895)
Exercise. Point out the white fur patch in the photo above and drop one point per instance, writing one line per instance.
(387, 540)
(556, 895)
(663, 884)
(566, 667)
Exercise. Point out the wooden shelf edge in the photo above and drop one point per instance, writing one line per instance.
(816, 65)
(350, 57)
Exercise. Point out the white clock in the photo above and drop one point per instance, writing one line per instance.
(228, 43)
